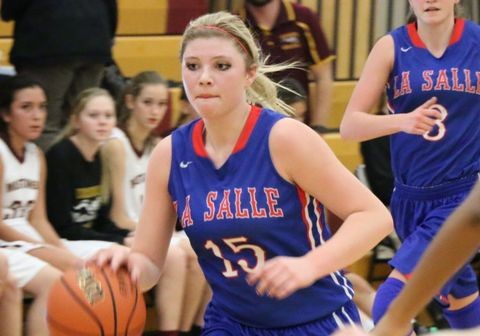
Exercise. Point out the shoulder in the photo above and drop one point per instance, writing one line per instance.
(160, 161)
(163, 149)
(384, 48)
(472, 29)
(304, 14)
(117, 133)
(288, 134)
(113, 146)
(293, 144)
(288, 130)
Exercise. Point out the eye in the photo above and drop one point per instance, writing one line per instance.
(223, 66)
(148, 102)
(191, 66)
(26, 106)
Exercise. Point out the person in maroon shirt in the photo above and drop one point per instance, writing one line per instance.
(291, 32)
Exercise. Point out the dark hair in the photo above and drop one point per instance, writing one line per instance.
(8, 88)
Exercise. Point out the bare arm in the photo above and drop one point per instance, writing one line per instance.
(113, 161)
(158, 217)
(357, 124)
(302, 157)
(308, 162)
(458, 239)
(322, 73)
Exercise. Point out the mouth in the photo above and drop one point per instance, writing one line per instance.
(432, 9)
(206, 96)
(153, 120)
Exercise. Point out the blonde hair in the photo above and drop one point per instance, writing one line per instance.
(81, 101)
(263, 90)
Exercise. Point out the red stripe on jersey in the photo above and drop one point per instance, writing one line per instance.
(197, 139)
(197, 136)
(417, 41)
(248, 128)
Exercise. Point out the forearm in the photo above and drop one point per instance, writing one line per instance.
(362, 126)
(358, 234)
(8, 233)
(323, 102)
(47, 232)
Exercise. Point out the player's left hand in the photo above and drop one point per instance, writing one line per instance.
(281, 276)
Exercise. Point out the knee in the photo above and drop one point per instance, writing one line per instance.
(176, 258)
(12, 294)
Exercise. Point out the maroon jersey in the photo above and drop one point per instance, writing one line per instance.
(295, 36)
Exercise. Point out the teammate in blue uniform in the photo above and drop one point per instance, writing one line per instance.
(248, 185)
(431, 69)
(453, 245)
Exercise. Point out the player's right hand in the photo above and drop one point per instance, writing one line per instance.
(422, 119)
(142, 270)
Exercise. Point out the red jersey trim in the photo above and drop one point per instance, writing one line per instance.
(197, 135)
(417, 41)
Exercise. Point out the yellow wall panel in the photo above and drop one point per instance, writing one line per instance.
(159, 53)
(327, 21)
(362, 37)
(342, 90)
(348, 152)
(344, 27)
(6, 28)
(142, 17)
(5, 46)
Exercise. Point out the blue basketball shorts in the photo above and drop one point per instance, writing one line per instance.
(217, 323)
(418, 214)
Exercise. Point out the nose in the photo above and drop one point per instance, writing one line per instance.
(205, 77)
(38, 113)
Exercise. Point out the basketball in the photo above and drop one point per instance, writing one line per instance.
(95, 301)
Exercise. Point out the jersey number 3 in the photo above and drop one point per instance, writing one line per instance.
(238, 245)
(439, 123)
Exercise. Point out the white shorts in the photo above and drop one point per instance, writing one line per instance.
(85, 249)
(22, 266)
(177, 237)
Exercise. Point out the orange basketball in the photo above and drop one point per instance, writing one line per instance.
(95, 301)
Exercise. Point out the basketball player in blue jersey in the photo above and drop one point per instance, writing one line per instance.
(248, 185)
(431, 70)
(454, 244)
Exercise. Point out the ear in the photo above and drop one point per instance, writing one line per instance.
(5, 116)
(74, 122)
(129, 100)
(251, 75)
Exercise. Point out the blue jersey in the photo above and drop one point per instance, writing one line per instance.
(243, 213)
(452, 150)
